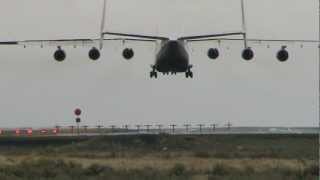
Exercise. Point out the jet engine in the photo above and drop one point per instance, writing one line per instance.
(94, 54)
(213, 53)
(128, 53)
(283, 54)
(247, 54)
(60, 55)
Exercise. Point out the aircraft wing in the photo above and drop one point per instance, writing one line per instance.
(201, 37)
(137, 36)
(221, 37)
(68, 42)
(248, 53)
(255, 41)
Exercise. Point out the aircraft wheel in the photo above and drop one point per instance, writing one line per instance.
(187, 74)
(153, 74)
(191, 74)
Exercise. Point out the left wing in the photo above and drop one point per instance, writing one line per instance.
(248, 54)
(255, 40)
(199, 37)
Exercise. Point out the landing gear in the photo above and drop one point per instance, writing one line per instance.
(153, 73)
(189, 74)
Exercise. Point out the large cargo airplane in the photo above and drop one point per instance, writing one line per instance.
(172, 55)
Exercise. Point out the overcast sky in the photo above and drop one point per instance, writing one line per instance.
(37, 91)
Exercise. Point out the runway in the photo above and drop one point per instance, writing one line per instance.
(178, 131)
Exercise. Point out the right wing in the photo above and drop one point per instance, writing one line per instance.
(248, 53)
(94, 53)
(68, 42)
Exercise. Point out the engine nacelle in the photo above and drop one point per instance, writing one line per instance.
(247, 54)
(283, 54)
(128, 53)
(59, 55)
(94, 54)
(213, 53)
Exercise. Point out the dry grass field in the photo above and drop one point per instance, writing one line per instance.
(209, 157)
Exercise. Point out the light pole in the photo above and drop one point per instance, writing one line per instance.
(78, 112)
(126, 127)
(148, 127)
(200, 127)
(319, 83)
(159, 127)
(213, 126)
(187, 127)
(112, 128)
(138, 128)
(72, 129)
(229, 126)
(173, 127)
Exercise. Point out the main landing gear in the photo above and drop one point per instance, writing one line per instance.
(189, 73)
(153, 73)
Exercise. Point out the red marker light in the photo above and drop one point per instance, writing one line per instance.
(29, 131)
(54, 131)
(17, 131)
(44, 131)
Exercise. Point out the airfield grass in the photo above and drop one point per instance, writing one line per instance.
(144, 157)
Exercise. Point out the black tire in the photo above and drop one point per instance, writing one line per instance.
(191, 74)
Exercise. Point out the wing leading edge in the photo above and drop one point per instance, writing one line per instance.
(68, 42)
(256, 40)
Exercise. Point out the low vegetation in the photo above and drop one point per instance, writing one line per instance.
(144, 157)
(61, 170)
